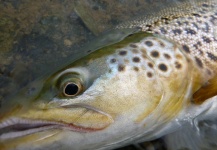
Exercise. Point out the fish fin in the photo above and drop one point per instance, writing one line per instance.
(200, 134)
(84, 12)
(188, 138)
(205, 92)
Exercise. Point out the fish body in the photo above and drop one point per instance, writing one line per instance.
(142, 87)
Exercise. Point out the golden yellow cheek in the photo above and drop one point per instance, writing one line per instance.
(133, 97)
(80, 117)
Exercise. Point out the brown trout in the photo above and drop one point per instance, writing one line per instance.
(141, 88)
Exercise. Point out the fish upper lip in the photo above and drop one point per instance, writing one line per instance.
(15, 127)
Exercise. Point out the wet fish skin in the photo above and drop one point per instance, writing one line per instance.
(164, 63)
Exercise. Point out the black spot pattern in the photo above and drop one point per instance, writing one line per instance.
(186, 48)
(190, 31)
(206, 39)
(122, 53)
(212, 56)
(113, 60)
(136, 59)
(149, 74)
(167, 56)
(177, 31)
(133, 45)
(155, 54)
(150, 65)
(178, 65)
(121, 68)
(199, 62)
(149, 43)
(162, 67)
(163, 30)
(136, 69)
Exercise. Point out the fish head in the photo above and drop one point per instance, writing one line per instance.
(113, 95)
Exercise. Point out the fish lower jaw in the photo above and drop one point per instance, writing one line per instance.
(19, 127)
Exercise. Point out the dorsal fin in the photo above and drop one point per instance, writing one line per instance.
(207, 91)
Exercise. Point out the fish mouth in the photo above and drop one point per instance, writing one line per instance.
(28, 124)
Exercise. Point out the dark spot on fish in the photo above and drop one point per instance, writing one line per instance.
(162, 67)
(149, 74)
(161, 44)
(186, 22)
(195, 25)
(110, 70)
(177, 31)
(188, 60)
(155, 54)
(186, 48)
(136, 69)
(133, 45)
(144, 56)
(205, 17)
(208, 72)
(178, 56)
(212, 56)
(213, 20)
(136, 59)
(167, 56)
(196, 15)
(199, 43)
(206, 39)
(178, 65)
(143, 50)
(162, 30)
(179, 23)
(149, 43)
(199, 62)
(205, 5)
(190, 31)
(150, 65)
(199, 21)
(135, 51)
(121, 68)
(88, 51)
(201, 52)
(113, 60)
(122, 53)
(202, 12)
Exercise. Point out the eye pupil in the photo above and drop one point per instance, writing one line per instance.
(71, 89)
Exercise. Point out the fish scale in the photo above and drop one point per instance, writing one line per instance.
(194, 32)
(196, 36)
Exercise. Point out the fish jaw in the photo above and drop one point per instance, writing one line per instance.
(76, 118)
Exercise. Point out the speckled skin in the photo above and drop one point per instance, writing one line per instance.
(194, 32)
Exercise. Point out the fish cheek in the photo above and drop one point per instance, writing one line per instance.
(128, 94)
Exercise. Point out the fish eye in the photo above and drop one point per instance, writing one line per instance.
(72, 89)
